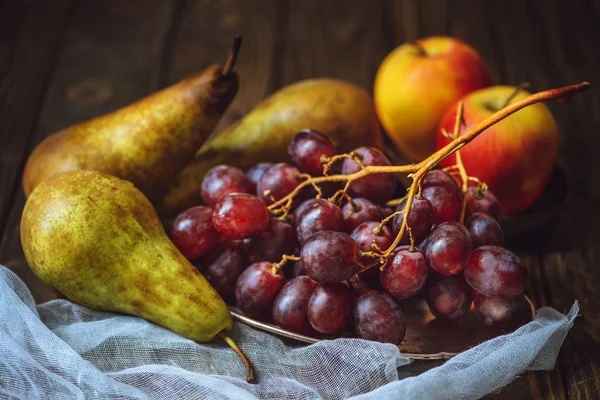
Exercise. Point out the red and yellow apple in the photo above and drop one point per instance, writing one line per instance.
(417, 82)
(516, 156)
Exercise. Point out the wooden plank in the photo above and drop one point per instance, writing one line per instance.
(204, 37)
(111, 58)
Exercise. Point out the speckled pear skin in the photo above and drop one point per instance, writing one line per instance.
(339, 109)
(147, 142)
(98, 240)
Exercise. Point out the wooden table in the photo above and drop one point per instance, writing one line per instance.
(64, 61)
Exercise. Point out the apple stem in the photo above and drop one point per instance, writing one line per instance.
(418, 170)
(420, 48)
(233, 56)
(520, 87)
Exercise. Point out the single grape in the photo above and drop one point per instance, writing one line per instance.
(193, 232)
(300, 209)
(277, 182)
(378, 188)
(420, 220)
(222, 180)
(484, 230)
(278, 239)
(448, 296)
(438, 177)
(320, 215)
(240, 215)
(329, 256)
(499, 312)
(222, 267)
(405, 273)
(448, 248)
(496, 272)
(307, 147)
(364, 237)
(256, 171)
(446, 200)
(482, 201)
(298, 269)
(358, 211)
(257, 287)
(330, 307)
(290, 308)
(377, 317)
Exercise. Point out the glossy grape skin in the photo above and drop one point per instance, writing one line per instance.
(300, 209)
(290, 308)
(307, 147)
(358, 211)
(484, 201)
(420, 220)
(446, 200)
(448, 248)
(257, 287)
(364, 237)
(378, 188)
(329, 256)
(222, 180)
(320, 215)
(330, 307)
(448, 296)
(223, 266)
(193, 232)
(484, 230)
(278, 239)
(405, 273)
(496, 272)
(499, 312)
(438, 177)
(240, 215)
(377, 317)
(277, 182)
(256, 171)
(298, 269)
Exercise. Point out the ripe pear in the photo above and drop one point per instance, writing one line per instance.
(339, 109)
(147, 142)
(99, 241)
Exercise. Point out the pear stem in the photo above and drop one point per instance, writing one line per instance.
(233, 56)
(250, 378)
(522, 85)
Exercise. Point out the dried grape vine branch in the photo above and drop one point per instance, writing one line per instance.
(417, 171)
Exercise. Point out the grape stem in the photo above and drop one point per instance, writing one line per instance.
(284, 259)
(418, 170)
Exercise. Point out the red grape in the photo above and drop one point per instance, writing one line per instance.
(240, 215)
(358, 211)
(405, 273)
(298, 269)
(256, 171)
(448, 296)
(256, 288)
(193, 232)
(378, 188)
(499, 312)
(448, 248)
(496, 272)
(222, 180)
(290, 308)
(300, 209)
(277, 182)
(446, 201)
(420, 220)
(438, 177)
(222, 267)
(307, 147)
(278, 239)
(364, 237)
(330, 307)
(320, 215)
(484, 230)
(329, 256)
(377, 317)
(482, 201)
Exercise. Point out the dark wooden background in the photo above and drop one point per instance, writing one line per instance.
(64, 61)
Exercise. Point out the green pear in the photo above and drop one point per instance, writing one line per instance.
(98, 240)
(339, 109)
(147, 142)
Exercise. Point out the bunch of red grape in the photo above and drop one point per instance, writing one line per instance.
(337, 281)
